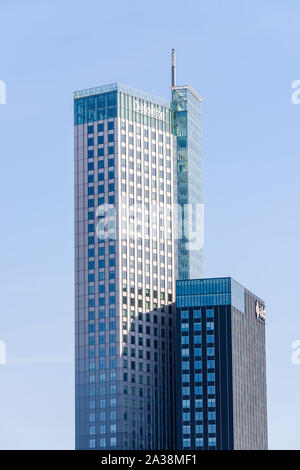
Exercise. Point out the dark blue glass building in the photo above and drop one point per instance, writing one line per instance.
(221, 364)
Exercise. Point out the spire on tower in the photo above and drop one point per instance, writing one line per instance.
(173, 68)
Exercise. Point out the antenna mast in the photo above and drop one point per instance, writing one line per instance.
(173, 68)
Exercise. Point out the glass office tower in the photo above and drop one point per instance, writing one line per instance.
(124, 269)
(187, 129)
(221, 364)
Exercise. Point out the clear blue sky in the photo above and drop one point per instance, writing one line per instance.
(242, 57)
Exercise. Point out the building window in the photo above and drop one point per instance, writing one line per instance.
(209, 313)
(197, 314)
(187, 443)
(92, 443)
(102, 442)
(212, 441)
(186, 429)
(199, 442)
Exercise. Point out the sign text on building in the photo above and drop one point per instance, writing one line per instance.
(260, 311)
(148, 110)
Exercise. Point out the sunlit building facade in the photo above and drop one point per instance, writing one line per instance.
(124, 269)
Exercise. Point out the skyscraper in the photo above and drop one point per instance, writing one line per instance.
(221, 364)
(124, 268)
(137, 167)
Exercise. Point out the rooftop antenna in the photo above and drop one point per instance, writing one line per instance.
(173, 69)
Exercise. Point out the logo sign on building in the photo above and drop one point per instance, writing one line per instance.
(260, 311)
(148, 110)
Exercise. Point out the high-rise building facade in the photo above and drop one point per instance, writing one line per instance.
(124, 269)
(221, 364)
